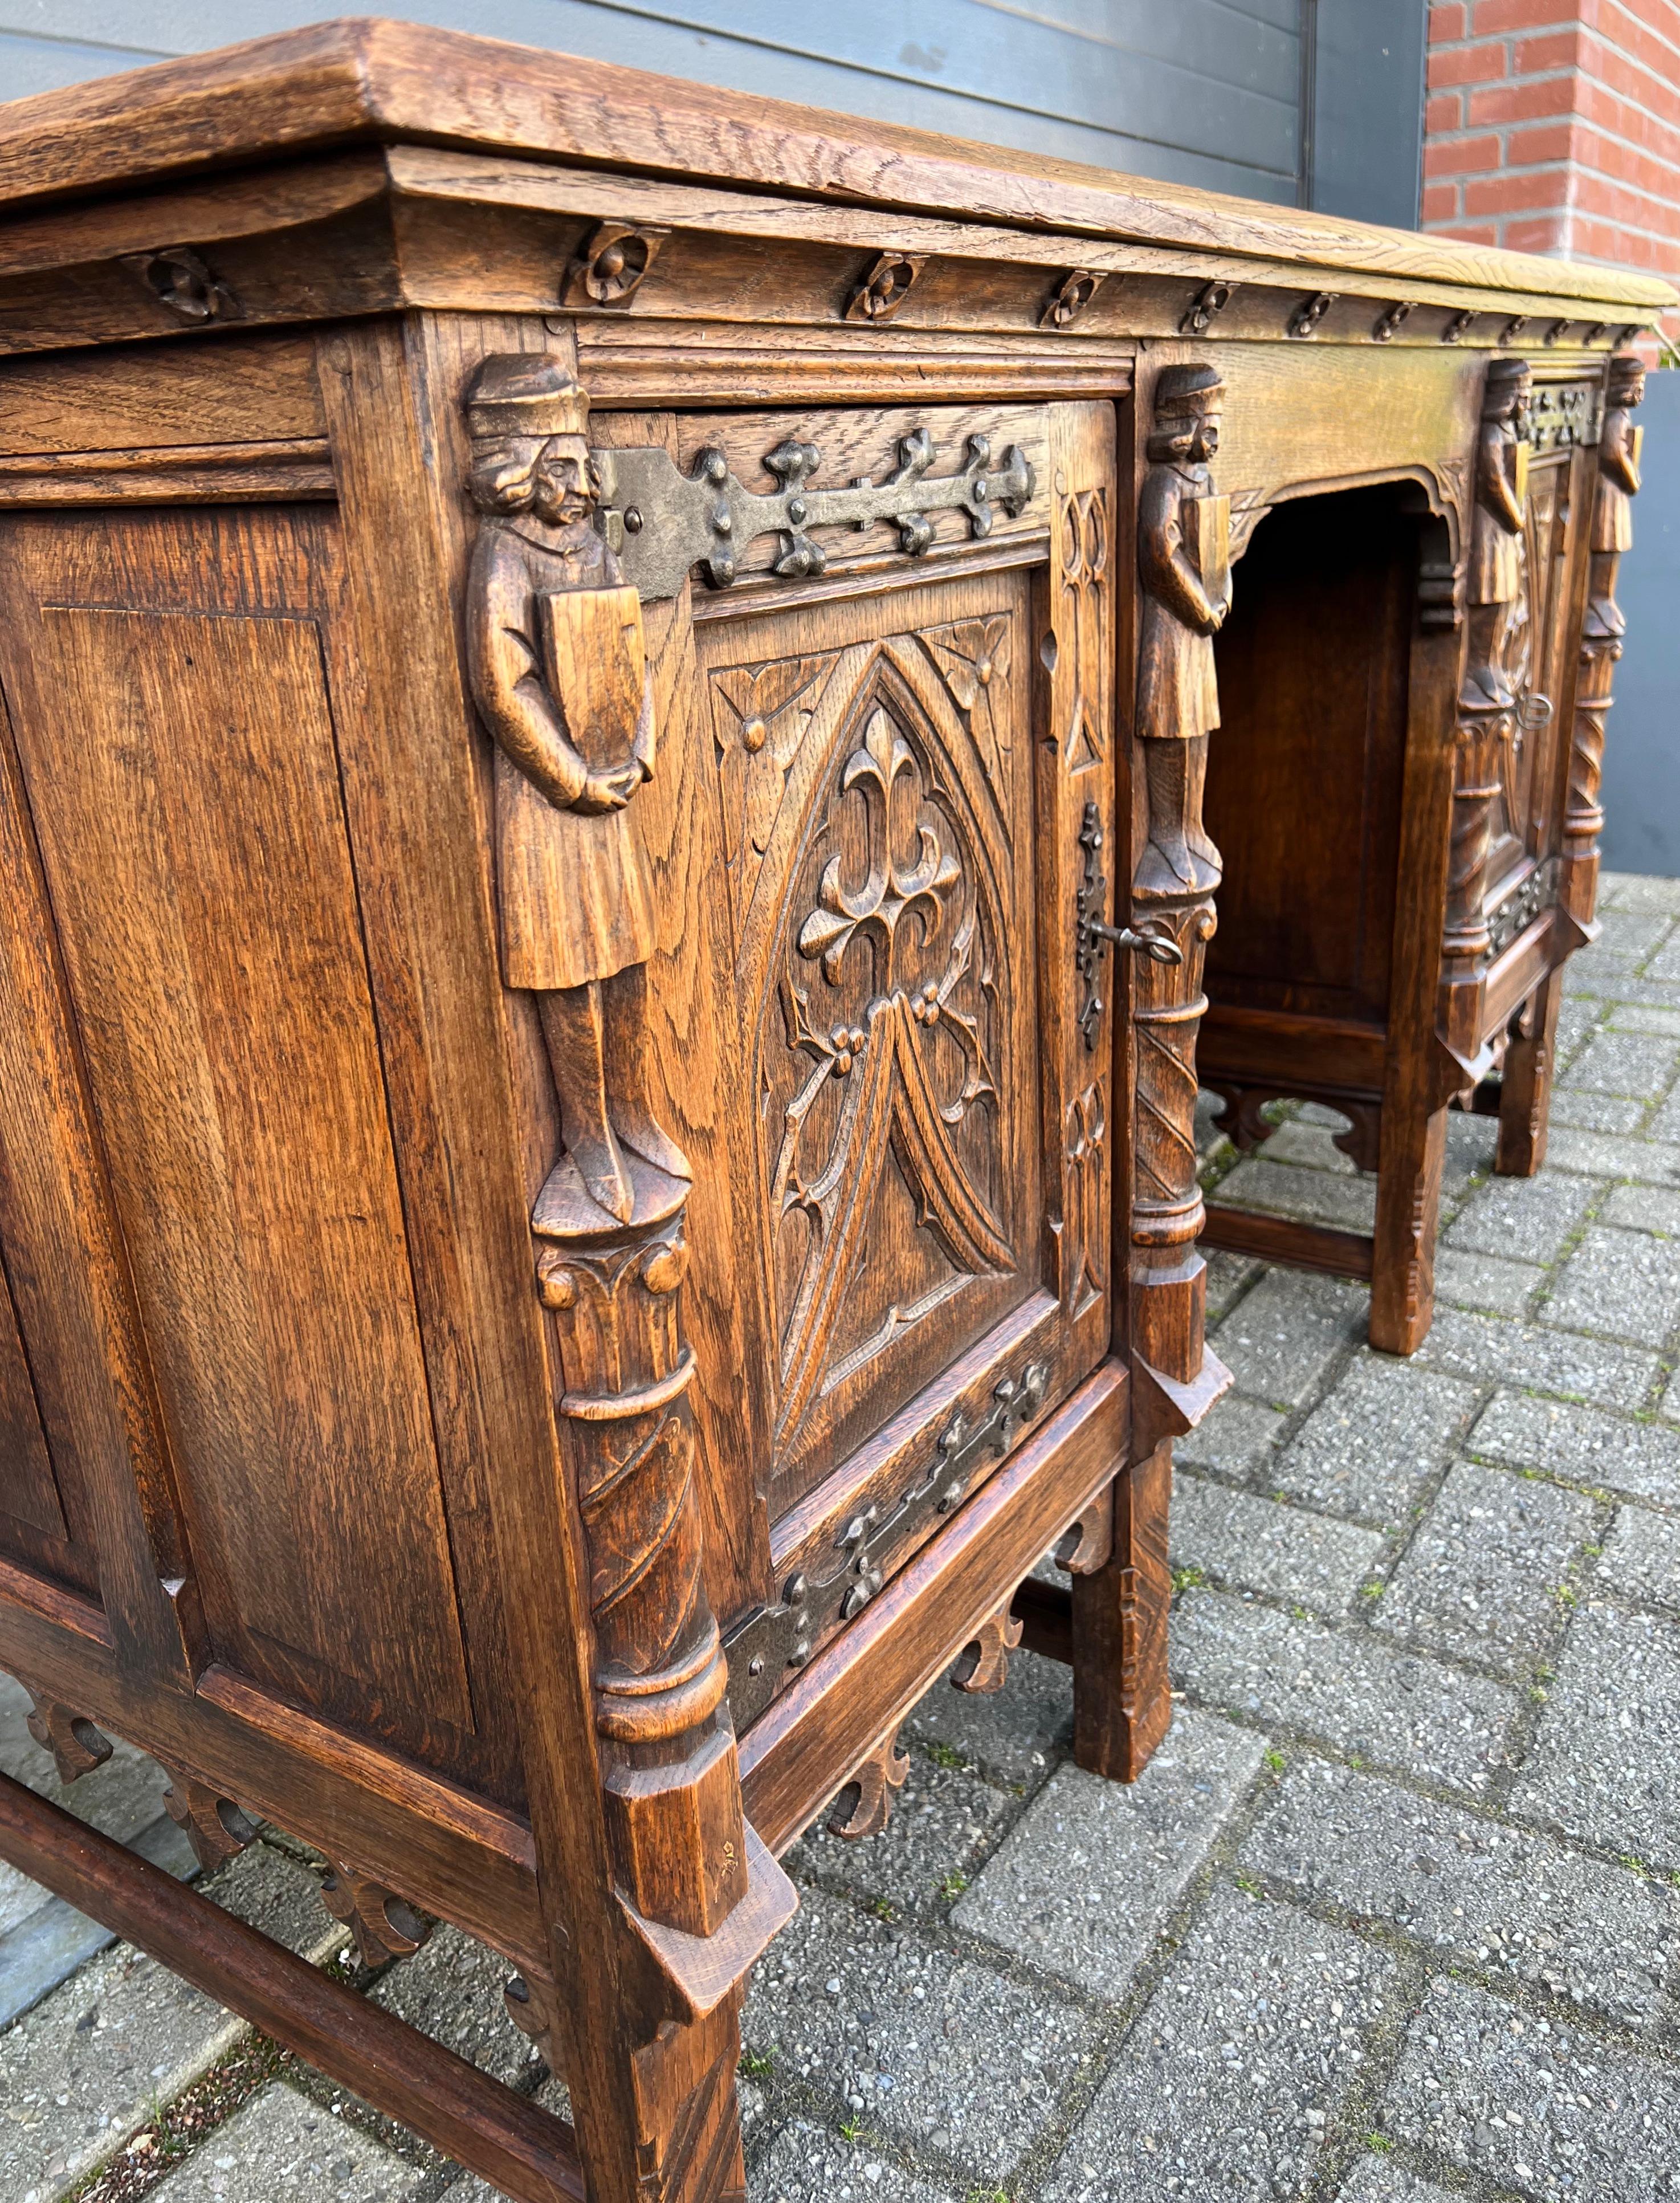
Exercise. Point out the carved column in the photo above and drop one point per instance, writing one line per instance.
(672, 1788)
(1487, 705)
(559, 674)
(1616, 484)
(1184, 572)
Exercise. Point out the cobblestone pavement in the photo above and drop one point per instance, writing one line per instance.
(1393, 1916)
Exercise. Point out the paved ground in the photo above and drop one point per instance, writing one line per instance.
(1394, 1915)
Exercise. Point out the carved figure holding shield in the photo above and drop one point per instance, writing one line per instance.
(1618, 486)
(1495, 581)
(558, 670)
(1184, 564)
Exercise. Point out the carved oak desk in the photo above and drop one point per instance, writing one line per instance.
(589, 1170)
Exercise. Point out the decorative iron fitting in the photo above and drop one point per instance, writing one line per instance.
(661, 523)
(1536, 892)
(786, 1635)
(1562, 413)
(1092, 933)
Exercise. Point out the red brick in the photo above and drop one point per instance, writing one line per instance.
(1538, 232)
(1473, 232)
(1443, 111)
(1521, 103)
(1459, 156)
(1493, 16)
(1441, 203)
(1447, 22)
(1523, 194)
(1553, 50)
(1556, 141)
(1466, 65)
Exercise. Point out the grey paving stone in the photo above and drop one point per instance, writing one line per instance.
(1480, 1577)
(1627, 1283)
(1048, 1896)
(451, 1988)
(1010, 1735)
(942, 1822)
(1283, 1189)
(282, 2144)
(1395, 1709)
(1600, 971)
(1605, 1764)
(1255, 1545)
(1637, 1063)
(1484, 1281)
(1551, 1359)
(1234, 1437)
(86, 2067)
(1664, 1125)
(1227, 1275)
(1320, 1113)
(920, 2045)
(1502, 1899)
(1664, 966)
(1639, 1017)
(49, 1939)
(1641, 1557)
(805, 2164)
(1601, 1155)
(1576, 1019)
(1469, 1153)
(1582, 1443)
(1224, 2087)
(1306, 1141)
(1544, 2110)
(1631, 933)
(1638, 891)
(1642, 1208)
(1522, 1219)
(1380, 2180)
(1375, 1438)
(1595, 1113)
(1279, 1340)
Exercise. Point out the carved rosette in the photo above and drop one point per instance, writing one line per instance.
(672, 1790)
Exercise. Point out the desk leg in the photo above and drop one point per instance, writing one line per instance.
(1121, 1707)
(1408, 1206)
(1525, 1095)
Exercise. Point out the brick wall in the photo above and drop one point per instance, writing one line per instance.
(1554, 126)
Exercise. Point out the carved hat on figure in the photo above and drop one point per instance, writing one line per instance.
(518, 405)
(1627, 380)
(1186, 393)
(1509, 387)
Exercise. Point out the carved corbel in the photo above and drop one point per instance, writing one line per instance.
(885, 287)
(77, 1747)
(614, 261)
(983, 1665)
(1616, 485)
(1071, 298)
(1087, 1543)
(865, 1805)
(213, 1824)
(384, 1926)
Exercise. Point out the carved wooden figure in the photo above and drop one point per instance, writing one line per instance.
(607, 923)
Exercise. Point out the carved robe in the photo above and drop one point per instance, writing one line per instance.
(1618, 482)
(573, 889)
(1178, 694)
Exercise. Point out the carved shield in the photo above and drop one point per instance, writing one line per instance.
(593, 666)
(1207, 522)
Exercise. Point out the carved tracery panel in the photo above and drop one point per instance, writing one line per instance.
(876, 814)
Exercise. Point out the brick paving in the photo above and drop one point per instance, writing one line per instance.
(1394, 1915)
